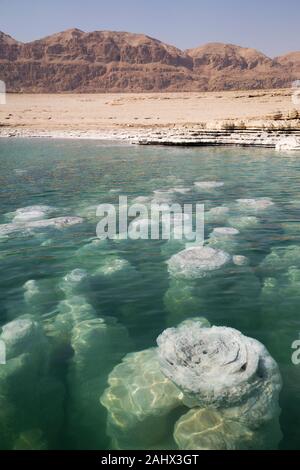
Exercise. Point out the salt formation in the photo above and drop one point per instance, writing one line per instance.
(180, 298)
(208, 387)
(243, 223)
(255, 205)
(180, 190)
(98, 345)
(288, 143)
(56, 223)
(280, 259)
(89, 255)
(69, 313)
(113, 266)
(28, 390)
(205, 429)
(217, 366)
(280, 298)
(240, 260)
(162, 197)
(224, 232)
(74, 281)
(39, 297)
(138, 400)
(197, 262)
(30, 213)
(217, 215)
(223, 238)
(208, 185)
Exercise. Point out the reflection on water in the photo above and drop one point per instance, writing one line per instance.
(83, 304)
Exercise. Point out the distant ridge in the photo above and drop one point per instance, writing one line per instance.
(108, 61)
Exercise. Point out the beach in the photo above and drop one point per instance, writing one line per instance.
(248, 118)
(80, 112)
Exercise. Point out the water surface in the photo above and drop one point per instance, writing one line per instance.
(73, 177)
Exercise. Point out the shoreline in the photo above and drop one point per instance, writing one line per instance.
(278, 139)
(261, 118)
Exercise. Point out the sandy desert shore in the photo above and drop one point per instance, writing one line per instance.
(94, 112)
(245, 118)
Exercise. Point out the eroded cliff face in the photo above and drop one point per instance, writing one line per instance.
(106, 61)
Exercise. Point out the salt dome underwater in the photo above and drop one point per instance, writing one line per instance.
(148, 344)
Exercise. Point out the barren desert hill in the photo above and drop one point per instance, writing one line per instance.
(109, 61)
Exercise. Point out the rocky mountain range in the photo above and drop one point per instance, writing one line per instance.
(106, 61)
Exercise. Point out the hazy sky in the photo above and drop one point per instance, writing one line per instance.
(268, 25)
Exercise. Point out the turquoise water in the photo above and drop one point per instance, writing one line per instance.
(72, 177)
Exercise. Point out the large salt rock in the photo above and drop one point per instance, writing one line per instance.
(138, 400)
(98, 345)
(217, 366)
(230, 382)
(197, 262)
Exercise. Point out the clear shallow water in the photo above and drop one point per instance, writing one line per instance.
(73, 177)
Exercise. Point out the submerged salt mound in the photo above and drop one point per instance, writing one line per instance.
(70, 312)
(255, 204)
(197, 262)
(208, 185)
(98, 345)
(242, 223)
(224, 232)
(73, 281)
(230, 382)
(240, 260)
(115, 266)
(211, 429)
(207, 429)
(28, 392)
(31, 213)
(180, 190)
(217, 366)
(138, 399)
(280, 299)
(179, 299)
(281, 258)
(217, 214)
(57, 223)
(23, 335)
